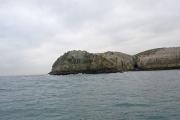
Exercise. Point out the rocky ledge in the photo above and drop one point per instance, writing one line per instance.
(77, 61)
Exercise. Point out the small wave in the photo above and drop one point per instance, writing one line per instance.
(6, 90)
(131, 105)
(2, 89)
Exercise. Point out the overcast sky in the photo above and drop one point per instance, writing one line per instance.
(34, 33)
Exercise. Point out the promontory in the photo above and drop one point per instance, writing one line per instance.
(78, 61)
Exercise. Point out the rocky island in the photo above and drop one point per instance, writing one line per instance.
(78, 61)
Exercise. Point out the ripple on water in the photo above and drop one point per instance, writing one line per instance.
(118, 96)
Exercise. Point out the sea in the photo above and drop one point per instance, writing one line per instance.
(143, 95)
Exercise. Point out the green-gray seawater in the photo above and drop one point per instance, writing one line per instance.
(146, 95)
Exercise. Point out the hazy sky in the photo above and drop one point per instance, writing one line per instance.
(34, 33)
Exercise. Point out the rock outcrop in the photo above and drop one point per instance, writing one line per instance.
(157, 59)
(122, 61)
(74, 62)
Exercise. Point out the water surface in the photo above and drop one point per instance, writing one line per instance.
(147, 95)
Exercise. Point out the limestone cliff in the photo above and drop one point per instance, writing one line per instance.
(121, 61)
(74, 62)
(160, 58)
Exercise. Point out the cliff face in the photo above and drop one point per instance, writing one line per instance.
(160, 58)
(74, 62)
(121, 61)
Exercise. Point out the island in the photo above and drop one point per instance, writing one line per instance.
(77, 61)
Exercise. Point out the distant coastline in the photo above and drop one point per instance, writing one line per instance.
(78, 61)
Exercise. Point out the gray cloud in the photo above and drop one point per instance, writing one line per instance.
(34, 33)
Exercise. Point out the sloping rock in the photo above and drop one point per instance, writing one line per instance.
(74, 62)
(160, 58)
(121, 61)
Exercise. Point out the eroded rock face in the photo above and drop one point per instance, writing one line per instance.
(74, 62)
(160, 58)
(121, 61)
